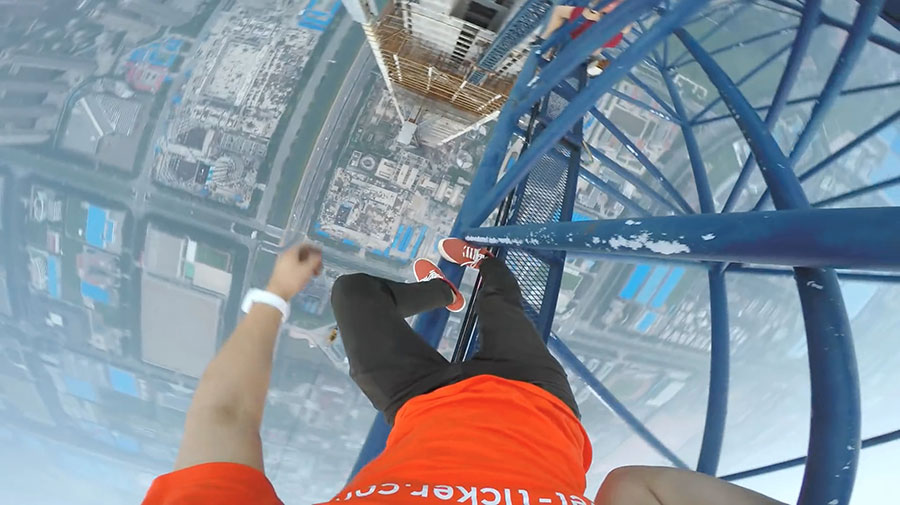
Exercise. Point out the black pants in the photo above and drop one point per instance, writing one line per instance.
(391, 363)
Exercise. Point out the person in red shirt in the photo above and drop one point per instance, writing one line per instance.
(499, 429)
(584, 18)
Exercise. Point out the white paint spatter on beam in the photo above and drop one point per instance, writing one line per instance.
(708, 236)
(496, 240)
(632, 222)
(814, 284)
(643, 240)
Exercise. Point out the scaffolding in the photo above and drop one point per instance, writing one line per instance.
(524, 209)
(429, 71)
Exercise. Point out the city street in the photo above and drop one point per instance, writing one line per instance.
(143, 186)
(325, 153)
(159, 203)
(345, 24)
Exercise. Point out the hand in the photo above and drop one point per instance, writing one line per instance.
(293, 270)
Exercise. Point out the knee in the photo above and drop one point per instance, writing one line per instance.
(353, 288)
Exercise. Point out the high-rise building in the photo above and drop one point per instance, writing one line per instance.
(431, 54)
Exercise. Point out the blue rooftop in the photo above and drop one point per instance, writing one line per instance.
(53, 276)
(95, 293)
(123, 382)
(646, 322)
(95, 226)
(80, 389)
(634, 281)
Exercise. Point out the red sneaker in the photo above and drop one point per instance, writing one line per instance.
(426, 271)
(462, 253)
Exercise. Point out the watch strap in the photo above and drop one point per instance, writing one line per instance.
(266, 298)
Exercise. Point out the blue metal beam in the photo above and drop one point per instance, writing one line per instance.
(585, 100)
(651, 168)
(656, 59)
(808, 23)
(853, 144)
(803, 237)
(828, 160)
(520, 25)
(653, 94)
(874, 38)
(712, 31)
(742, 43)
(568, 358)
(842, 274)
(758, 137)
(611, 190)
(495, 151)
(840, 73)
(575, 52)
(887, 183)
(567, 208)
(565, 90)
(878, 40)
(834, 381)
(717, 400)
(807, 99)
(626, 174)
(701, 179)
(869, 442)
(765, 5)
(746, 77)
(706, 15)
(665, 61)
(644, 105)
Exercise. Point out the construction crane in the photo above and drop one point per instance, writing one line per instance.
(524, 209)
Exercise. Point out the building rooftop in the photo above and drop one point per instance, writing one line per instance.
(163, 253)
(179, 326)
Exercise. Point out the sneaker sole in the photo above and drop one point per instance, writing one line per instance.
(462, 308)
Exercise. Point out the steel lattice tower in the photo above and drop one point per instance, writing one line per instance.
(522, 204)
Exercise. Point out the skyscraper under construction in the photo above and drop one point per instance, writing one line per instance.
(448, 65)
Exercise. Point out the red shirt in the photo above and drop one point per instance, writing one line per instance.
(485, 440)
(587, 23)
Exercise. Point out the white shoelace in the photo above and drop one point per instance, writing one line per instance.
(432, 275)
(473, 254)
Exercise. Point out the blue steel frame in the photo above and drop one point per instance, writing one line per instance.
(519, 26)
(798, 238)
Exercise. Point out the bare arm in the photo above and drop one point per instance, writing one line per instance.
(558, 17)
(224, 419)
(644, 485)
(611, 6)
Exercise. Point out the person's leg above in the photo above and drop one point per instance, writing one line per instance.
(389, 361)
(510, 345)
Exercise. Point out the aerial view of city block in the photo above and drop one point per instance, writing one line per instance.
(157, 155)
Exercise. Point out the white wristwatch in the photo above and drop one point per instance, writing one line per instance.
(267, 298)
